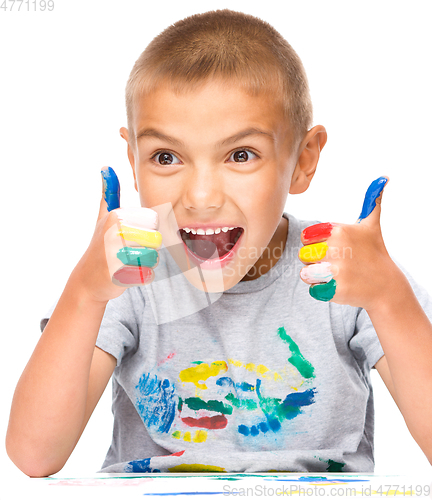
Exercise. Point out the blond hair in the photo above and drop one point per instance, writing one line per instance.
(229, 45)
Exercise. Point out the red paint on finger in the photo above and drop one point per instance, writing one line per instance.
(317, 232)
(131, 275)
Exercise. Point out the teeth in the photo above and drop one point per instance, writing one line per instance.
(207, 231)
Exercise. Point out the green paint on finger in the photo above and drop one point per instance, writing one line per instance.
(323, 291)
(143, 257)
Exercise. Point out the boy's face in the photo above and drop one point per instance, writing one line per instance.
(223, 159)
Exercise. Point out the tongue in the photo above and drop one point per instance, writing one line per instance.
(205, 245)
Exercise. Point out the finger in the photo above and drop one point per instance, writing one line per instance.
(131, 246)
(310, 254)
(135, 256)
(143, 237)
(140, 217)
(128, 276)
(137, 226)
(317, 273)
(372, 199)
(110, 191)
(317, 233)
(324, 291)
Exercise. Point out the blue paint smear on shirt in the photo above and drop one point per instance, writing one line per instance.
(140, 466)
(240, 386)
(300, 398)
(156, 402)
(276, 410)
(225, 382)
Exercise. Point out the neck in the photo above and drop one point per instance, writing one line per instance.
(271, 254)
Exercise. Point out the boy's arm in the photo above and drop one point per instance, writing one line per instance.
(67, 374)
(60, 386)
(383, 369)
(405, 334)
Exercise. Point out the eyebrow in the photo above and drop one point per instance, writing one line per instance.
(245, 133)
(151, 132)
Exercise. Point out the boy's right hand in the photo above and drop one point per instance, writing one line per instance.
(123, 250)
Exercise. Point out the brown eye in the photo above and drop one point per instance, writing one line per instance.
(166, 158)
(242, 156)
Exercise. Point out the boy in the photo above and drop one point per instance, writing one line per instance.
(260, 376)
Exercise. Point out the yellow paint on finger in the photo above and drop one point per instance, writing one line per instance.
(150, 239)
(313, 253)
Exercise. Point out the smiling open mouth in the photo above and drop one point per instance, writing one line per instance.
(204, 244)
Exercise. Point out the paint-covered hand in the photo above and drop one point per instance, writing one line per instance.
(349, 263)
(124, 248)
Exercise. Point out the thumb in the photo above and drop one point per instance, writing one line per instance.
(372, 203)
(110, 192)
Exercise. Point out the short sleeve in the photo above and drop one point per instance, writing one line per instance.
(45, 318)
(365, 343)
(119, 330)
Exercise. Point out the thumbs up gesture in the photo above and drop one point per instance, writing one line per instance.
(348, 263)
(123, 251)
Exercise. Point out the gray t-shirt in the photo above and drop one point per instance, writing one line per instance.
(259, 378)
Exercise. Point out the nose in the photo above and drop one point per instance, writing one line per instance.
(203, 189)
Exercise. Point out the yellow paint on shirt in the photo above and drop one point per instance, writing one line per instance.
(200, 436)
(251, 367)
(261, 369)
(196, 468)
(187, 436)
(200, 373)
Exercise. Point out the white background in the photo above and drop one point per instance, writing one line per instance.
(62, 83)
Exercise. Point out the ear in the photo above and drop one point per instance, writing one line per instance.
(309, 153)
(125, 134)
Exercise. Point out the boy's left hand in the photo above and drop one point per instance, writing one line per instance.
(349, 263)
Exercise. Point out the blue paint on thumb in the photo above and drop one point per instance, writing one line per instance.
(111, 188)
(373, 192)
